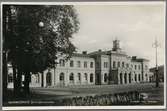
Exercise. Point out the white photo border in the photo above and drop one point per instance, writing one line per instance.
(90, 107)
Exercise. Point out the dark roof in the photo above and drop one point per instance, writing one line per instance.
(99, 52)
(161, 67)
(140, 59)
(80, 55)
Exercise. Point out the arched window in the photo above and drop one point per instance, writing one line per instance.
(86, 76)
(91, 77)
(105, 77)
(135, 77)
(79, 76)
(139, 77)
(121, 78)
(71, 77)
(125, 78)
(118, 64)
(61, 78)
(130, 78)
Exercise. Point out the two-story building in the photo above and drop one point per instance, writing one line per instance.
(95, 68)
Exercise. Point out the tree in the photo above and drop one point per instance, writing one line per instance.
(37, 35)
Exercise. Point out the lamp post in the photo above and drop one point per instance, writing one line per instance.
(41, 25)
(156, 45)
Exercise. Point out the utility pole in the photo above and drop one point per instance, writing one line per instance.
(156, 45)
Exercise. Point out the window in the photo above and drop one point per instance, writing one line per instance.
(123, 64)
(86, 78)
(71, 63)
(114, 64)
(71, 77)
(91, 77)
(85, 64)
(139, 77)
(105, 77)
(139, 67)
(127, 65)
(118, 64)
(91, 64)
(132, 66)
(78, 64)
(135, 77)
(105, 64)
(79, 76)
(61, 77)
(10, 78)
(135, 67)
(62, 62)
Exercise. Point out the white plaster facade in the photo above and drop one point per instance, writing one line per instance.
(99, 67)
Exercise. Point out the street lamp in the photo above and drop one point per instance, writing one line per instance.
(41, 24)
(156, 45)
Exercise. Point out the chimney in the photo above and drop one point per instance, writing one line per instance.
(84, 52)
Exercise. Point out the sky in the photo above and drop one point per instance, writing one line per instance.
(135, 25)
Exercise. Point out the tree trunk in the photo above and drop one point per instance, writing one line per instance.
(18, 84)
(5, 74)
(14, 78)
(27, 82)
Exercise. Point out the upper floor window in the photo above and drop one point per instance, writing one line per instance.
(62, 62)
(114, 64)
(71, 63)
(131, 65)
(127, 65)
(85, 64)
(86, 76)
(139, 67)
(78, 63)
(118, 64)
(123, 64)
(135, 67)
(91, 64)
(105, 64)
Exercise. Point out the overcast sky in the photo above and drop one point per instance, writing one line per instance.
(136, 26)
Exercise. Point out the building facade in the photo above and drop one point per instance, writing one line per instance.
(95, 68)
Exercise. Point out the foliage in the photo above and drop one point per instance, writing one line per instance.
(38, 33)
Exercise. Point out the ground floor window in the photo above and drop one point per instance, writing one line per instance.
(105, 77)
(10, 78)
(120, 78)
(48, 78)
(71, 77)
(129, 77)
(86, 76)
(91, 77)
(61, 77)
(135, 77)
(139, 77)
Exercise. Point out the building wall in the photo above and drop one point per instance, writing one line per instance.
(84, 72)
